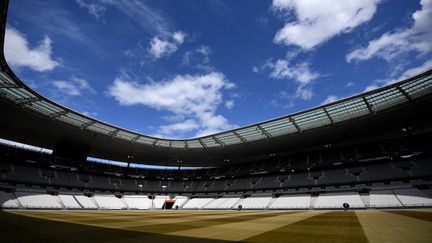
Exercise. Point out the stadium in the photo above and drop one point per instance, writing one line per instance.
(355, 170)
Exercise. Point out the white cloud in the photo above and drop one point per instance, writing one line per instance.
(179, 37)
(90, 113)
(184, 126)
(393, 44)
(301, 74)
(152, 20)
(161, 46)
(415, 70)
(196, 98)
(19, 54)
(318, 21)
(406, 74)
(94, 8)
(229, 104)
(198, 58)
(330, 99)
(74, 87)
(303, 92)
(349, 85)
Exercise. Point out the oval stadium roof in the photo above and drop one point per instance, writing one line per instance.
(16, 92)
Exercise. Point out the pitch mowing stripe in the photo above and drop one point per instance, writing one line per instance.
(165, 228)
(143, 223)
(242, 230)
(427, 216)
(381, 227)
(107, 216)
(326, 227)
(16, 228)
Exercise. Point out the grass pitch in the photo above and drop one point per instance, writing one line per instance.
(216, 226)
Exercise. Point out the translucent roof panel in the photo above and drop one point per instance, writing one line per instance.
(178, 144)
(385, 99)
(17, 94)
(126, 135)
(251, 133)
(418, 87)
(146, 140)
(4, 79)
(228, 138)
(101, 128)
(43, 107)
(193, 144)
(74, 119)
(50, 106)
(279, 127)
(163, 143)
(210, 142)
(312, 119)
(347, 109)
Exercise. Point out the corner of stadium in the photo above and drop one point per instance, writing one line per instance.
(355, 170)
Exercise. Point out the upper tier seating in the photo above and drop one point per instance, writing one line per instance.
(296, 201)
(337, 199)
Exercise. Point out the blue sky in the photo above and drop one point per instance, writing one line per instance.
(182, 69)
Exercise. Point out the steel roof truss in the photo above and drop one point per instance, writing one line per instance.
(328, 115)
(218, 141)
(57, 114)
(240, 137)
(85, 125)
(295, 124)
(263, 131)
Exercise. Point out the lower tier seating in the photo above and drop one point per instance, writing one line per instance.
(296, 201)
(391, 197)
(337, 199)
